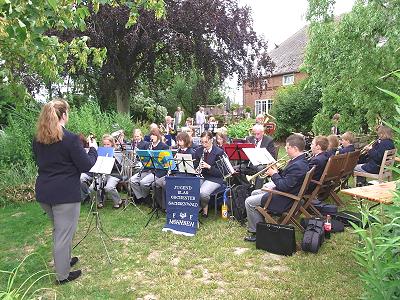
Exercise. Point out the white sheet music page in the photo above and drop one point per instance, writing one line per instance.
(187, 165)
(103, 165)
(259, 156)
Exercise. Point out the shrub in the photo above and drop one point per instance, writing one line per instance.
(145, 109)
(240, 129)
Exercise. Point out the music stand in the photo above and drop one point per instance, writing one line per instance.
(151, 161)
(184, 164)
(235, 152)
(225, 167)
(102, 167)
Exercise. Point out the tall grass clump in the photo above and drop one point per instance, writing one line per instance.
(378, 250)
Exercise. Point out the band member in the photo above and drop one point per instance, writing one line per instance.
(261, 141)
(335, 121)
(111, 180)
(190, 131)
(220, 140)
(375, 153)
(288, 180)
(86, 179)
(205, 162)
(184, 146)
(168, 127)
(141, 182)
(137, 140)
(319, 145)
(260, 119)
(61, 159)
(152, 126)
(178, 118)
(189, 122)
(333, 145)
(347, 140)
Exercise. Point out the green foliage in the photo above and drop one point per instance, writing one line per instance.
(346, 58)
(145, 109)
(24, 290)
(295, 107)
(379, 249)
(241, 129)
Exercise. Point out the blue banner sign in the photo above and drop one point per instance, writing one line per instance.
(182, 202)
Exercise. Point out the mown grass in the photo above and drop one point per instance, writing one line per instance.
(151, 264)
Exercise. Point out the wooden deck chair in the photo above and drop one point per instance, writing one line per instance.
(385, 173)
(325, 185)
(351, 162)
(288, 216)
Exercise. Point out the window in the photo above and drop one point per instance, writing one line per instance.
(288, 79)
(263, 106)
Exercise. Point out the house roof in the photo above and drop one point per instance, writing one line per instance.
(289, 55)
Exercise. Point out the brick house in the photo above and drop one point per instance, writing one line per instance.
(288, 57)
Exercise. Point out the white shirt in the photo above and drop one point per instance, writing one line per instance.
(200, 118)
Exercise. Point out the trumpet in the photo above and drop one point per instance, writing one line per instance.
(365, 149)
(280, 163)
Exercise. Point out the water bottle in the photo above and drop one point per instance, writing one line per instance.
(328, 227)
(224, 211)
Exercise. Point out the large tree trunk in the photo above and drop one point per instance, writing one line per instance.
(122, 97)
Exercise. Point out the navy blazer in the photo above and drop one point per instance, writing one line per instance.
(59, 168)
(267, 142)
(289, 180)
(319, 161)
(160, 146)
(142, 145)
(375, 155)
(331, 152)
(213, 174)
(349, 148)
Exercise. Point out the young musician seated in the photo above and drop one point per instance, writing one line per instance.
(137, 140)
(142, 181)
(260, 140)
(333, 145)
(110, 188)
(184, 146)
(288, 180)
(318, 158)
(190, 131)
(375, 153)
(347, 140)
(86, 179)
(152, 126)
(205, 161)
(220, 140)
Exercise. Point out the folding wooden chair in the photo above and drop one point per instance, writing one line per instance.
(385, 173)
(325, 185)
(288, 216)
(351, 162)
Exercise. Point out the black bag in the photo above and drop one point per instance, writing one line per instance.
(239, 195)
(314, 236)
(326, 209)
(337, 226)
(347, 216)
(277, 239)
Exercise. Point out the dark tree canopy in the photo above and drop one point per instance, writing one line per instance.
(213, 36)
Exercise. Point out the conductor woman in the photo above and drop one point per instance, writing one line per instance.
(61, 159)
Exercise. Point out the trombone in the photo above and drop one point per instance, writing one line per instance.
(280, 163)
(365, 149)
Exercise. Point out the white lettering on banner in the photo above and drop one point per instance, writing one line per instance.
(183, 187)
(192, 198)
(183, 192)
(182, 222)
(183, 203)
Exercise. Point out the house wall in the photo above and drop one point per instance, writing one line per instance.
(274, 82)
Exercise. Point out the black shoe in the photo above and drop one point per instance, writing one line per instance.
(250, 238)
(73, 261)
(72, 276)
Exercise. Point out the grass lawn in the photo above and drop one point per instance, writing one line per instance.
(151, 264)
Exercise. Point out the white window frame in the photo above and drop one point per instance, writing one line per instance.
(262, 106)
(288, 79)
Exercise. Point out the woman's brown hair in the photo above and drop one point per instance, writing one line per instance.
(48, 127)
(156, 132)
(183, 136)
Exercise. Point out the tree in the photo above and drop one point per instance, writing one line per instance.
(27, 48)
(347, 56)
(213, 36)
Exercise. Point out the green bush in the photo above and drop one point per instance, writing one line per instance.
(145, 109)
(295, 107)
(378, 251)
(240, 129)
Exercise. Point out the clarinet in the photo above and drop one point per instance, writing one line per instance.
(151, 146)
(199, 169)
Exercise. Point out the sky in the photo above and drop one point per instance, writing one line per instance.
(277, 20)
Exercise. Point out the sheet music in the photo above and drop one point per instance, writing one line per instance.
(187, 166)
(259, 156)
(103, 165)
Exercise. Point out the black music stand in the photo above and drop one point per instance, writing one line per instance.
(182, 163)
(226, 169)
(102, 168)
(150, 164)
